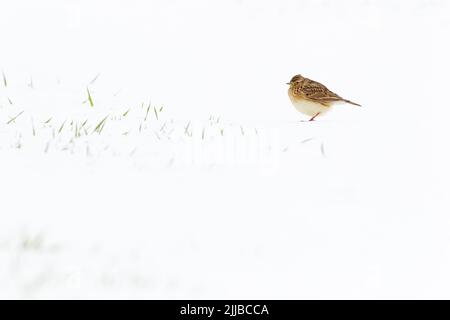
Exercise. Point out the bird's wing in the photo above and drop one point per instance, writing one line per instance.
(317, 92)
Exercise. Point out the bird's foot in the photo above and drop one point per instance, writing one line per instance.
(312, 119)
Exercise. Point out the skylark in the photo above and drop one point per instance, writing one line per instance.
(312, 98)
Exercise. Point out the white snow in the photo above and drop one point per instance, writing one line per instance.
(224, 192)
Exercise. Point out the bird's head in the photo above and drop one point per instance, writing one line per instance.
(295, 79)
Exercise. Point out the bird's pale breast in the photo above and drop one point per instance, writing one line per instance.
(308, 107)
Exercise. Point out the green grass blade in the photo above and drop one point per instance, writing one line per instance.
(95, 79)
(101, 125)
(5, 82)
(146, 113)
(91, 101)
(62, 127)
(14, 118)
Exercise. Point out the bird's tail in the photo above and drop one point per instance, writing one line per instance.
(348, 101)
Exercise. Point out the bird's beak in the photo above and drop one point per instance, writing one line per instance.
(288, 83)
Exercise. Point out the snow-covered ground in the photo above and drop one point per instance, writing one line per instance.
(148, 149)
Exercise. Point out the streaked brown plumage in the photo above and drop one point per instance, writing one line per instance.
(311, 97)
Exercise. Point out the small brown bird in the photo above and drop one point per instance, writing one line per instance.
(312, 98)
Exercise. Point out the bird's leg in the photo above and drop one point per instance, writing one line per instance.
(312, 119)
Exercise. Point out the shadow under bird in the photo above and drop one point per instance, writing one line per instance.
(313, 98)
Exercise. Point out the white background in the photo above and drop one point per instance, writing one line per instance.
(249, 202)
